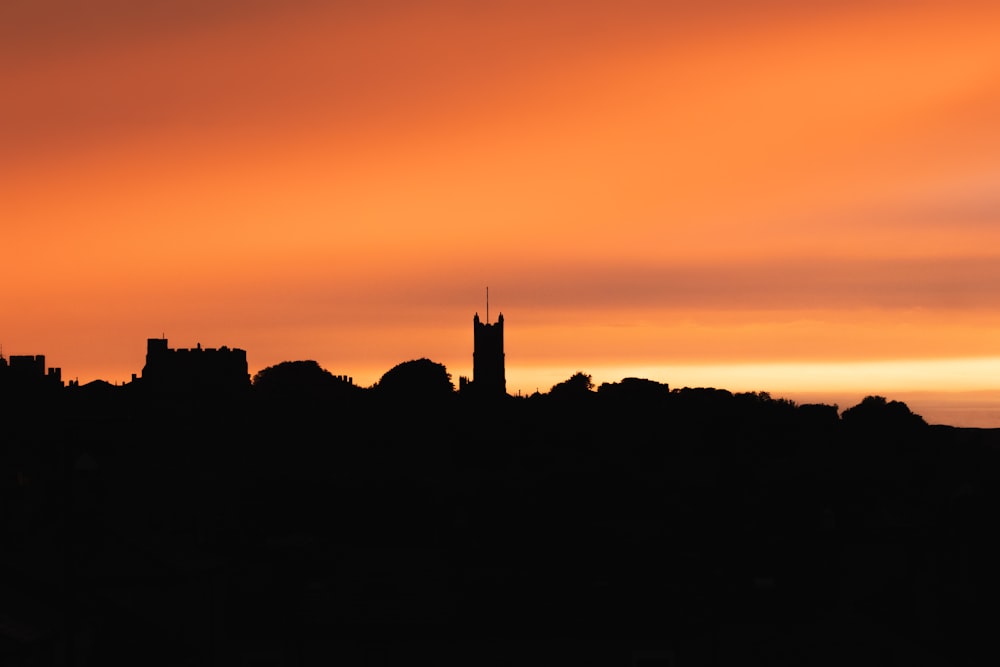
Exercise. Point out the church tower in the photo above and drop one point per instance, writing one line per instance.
(488, 378)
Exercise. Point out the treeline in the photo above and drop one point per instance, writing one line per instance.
(424, 384)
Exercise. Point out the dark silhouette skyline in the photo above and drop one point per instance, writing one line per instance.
(200, 370)
(224, 369)
(194, 516)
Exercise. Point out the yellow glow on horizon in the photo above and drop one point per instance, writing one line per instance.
(880, 376)
(961, 392)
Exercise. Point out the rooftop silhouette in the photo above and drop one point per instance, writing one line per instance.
(194, 370)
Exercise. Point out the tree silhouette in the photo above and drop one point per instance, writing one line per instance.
(875, 413)
(416, 380)
(298, 380)
(579, 384)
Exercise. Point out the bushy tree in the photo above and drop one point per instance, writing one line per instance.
(416, 380)
(579, 384)
(877, 413)
(296, 380)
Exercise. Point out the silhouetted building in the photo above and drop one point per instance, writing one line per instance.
(194, 370)
(488, 377)
(27, 371)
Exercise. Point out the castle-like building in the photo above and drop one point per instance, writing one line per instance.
(28, 372)
(194, 370)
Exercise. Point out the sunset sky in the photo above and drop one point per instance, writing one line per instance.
(795, 197)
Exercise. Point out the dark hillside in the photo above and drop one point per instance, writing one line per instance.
(314, 522)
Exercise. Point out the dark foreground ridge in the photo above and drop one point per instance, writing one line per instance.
(299, 519)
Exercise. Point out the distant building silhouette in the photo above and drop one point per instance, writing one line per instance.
(27, 371)
(194, 370)
(488, 376)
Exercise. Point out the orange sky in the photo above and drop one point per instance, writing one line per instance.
(756, 195)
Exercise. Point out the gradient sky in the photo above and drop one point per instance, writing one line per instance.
(780, 196)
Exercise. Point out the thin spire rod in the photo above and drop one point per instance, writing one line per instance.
(487, 304)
